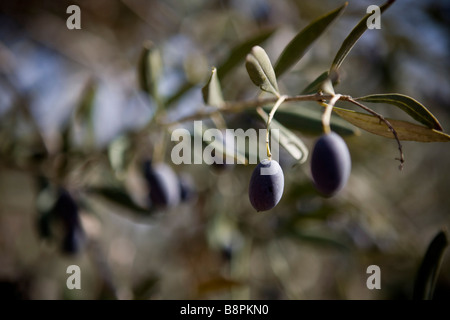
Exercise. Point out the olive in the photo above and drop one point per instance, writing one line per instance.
(66, 209)
(266, 185)
(163, 183)
(330, 164)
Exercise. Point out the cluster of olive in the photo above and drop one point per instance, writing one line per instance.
(330, 170)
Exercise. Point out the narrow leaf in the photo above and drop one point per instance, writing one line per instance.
(412, 107)
(323, 238)
(288, 140)
(84, 115)
(314, 86)
(405, 130)
(353, 37)
(298, 117)
(119, 197)
(236, 55)
(120, 154)
(298, 46)
(239, 52)
(212, 92)
(429, 269)
(149, 68)
(84, 109)
(260, 70)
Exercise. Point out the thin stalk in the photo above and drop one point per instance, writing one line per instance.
(326, 117)
(269, 119)
(388, 124)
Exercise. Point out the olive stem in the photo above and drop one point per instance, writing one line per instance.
(388, 124)
(326, 117)
(269, 119)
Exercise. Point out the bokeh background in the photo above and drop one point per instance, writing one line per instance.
(69, 98)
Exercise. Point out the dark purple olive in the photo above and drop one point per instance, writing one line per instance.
(330, 164)
(266, 185)
(163, 183)
(66, 210)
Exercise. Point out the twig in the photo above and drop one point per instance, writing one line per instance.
(239, 106)
(383, 119)
(269, 119)
(326, 117)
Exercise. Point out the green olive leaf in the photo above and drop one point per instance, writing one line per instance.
(212, 92)
(405, 130)
(260, 70)
(119, 196)
(149, 68)
(83, 117)
(300, 44)
(412, 107)
(120, 154)
(353, 37)
(429, 268)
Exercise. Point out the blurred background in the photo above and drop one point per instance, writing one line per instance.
(75, 125)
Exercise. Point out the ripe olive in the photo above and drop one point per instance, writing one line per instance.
(266, 185)
(330, 164)
(163, 183)
(66, 209)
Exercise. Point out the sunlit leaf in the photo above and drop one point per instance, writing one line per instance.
(212, 92)
(412, 107)
(405, 130)
(288, 140)
(298, 46)
(260, 70)
(298, 117)
(353, 37)
(429, 269)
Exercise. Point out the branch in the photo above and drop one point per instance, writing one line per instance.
(239, 106)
